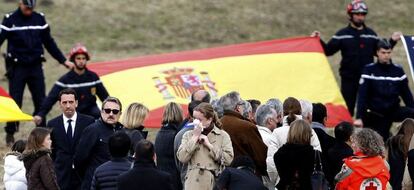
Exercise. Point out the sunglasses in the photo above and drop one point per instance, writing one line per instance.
(108, 111)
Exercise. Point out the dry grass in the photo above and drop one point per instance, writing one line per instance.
(119, 29)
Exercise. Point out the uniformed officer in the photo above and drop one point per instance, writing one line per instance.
(357, 44)
(86, 83)
(27, 32)
(382, 85)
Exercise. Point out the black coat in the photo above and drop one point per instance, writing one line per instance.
(92, 150)
(239, 179)
(295, 160)
(336, 155)
(357, 47)
(106, 175)
(397, 163)
(63, 151)
(164, 149)
(327, 142)
(145, 176)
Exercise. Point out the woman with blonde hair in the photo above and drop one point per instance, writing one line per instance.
(40, 172)
(133, 121)
(397, 150)
(207, 149)
(164, 142)
(295, 160)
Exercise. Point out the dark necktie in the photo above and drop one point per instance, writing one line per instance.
(69, 131)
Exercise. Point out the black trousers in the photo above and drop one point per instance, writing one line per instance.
(349, 90)
(19, 76)
(381, 122)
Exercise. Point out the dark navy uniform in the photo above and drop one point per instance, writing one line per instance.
(87, 86)
(357, 48)
(26, 37)
(382, 85)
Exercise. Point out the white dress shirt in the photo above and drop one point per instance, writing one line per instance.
(66, 124)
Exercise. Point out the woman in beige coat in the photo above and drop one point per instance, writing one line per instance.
(206, 149)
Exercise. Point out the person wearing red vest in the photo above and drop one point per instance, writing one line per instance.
(367, 170)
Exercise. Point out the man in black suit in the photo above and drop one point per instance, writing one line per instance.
(145, 174)
(66, 131)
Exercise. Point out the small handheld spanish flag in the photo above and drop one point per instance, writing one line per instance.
(9, 111)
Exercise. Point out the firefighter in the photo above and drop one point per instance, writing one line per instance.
(86, 83)
(357, 44)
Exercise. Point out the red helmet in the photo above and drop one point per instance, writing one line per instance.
(357, 6)
(78, 49)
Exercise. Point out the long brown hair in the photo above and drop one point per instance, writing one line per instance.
(36, 139)
(299, 133)
(207, 110)
(291, 108)
(402, 139)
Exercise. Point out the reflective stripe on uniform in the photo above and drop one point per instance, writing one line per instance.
(15, 28)
(368, 36)
(80, 85)
(372, 77)
(342, 37)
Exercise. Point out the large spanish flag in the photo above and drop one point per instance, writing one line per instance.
(9, 111)
(294, 67)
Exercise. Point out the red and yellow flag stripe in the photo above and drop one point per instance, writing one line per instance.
(294, 67)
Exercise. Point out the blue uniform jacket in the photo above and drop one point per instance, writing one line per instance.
(26, 37)
(381, 87)
(357, 49)
(87, 86)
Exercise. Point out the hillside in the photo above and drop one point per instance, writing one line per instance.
(125, 28)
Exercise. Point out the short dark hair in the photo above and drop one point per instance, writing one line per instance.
(192, 105)
(144, 150)
(68, 91)
(19, 146)
(319, 113)
(114, 100)
(119, 144)
(254, 103)
(384, 44)
(343, 131)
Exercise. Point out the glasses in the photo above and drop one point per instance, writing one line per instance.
(108, 111)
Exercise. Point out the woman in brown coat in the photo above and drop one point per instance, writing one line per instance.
(206, 149)
(40, 172)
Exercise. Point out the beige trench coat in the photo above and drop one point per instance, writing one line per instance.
(202, 162)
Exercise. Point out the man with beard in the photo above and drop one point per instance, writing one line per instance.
(93, 150)
(85, 82)
(357, 44)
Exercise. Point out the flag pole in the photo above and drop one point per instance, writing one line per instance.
(407, 52)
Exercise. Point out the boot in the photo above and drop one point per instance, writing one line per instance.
(9, 140)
